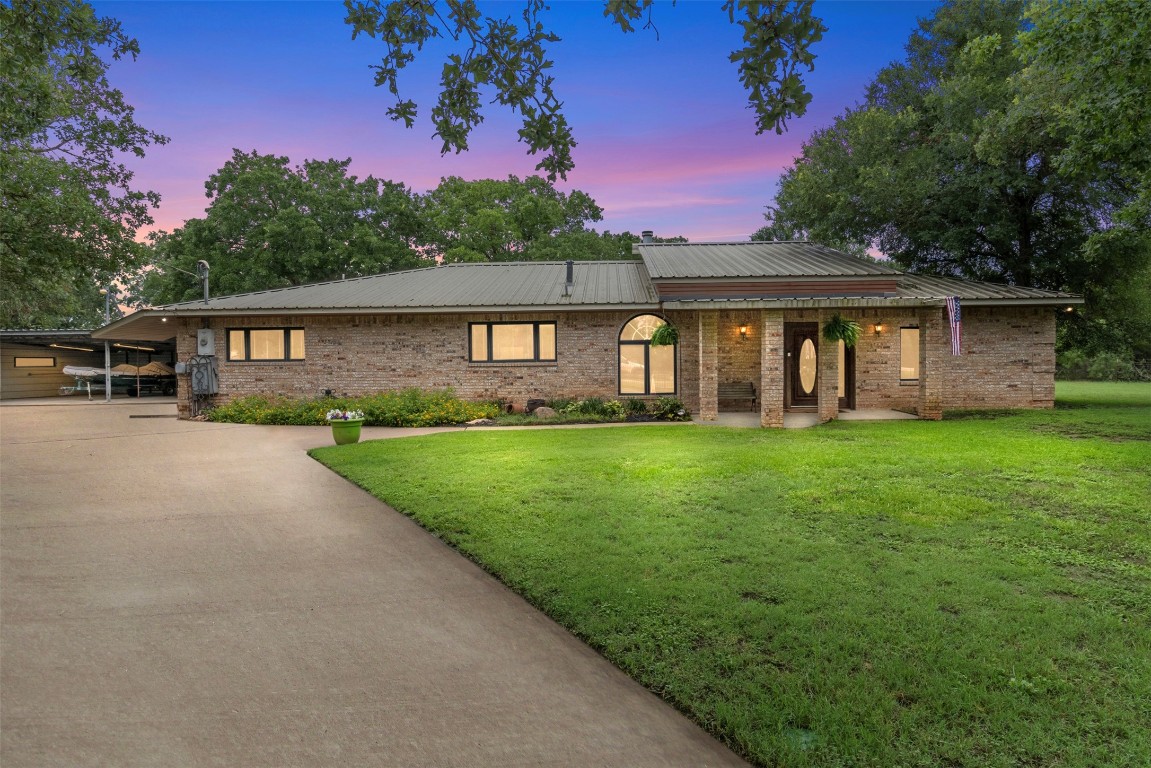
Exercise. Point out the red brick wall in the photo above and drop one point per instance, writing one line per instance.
(738, 356)
(354, 355)
(1008, 360)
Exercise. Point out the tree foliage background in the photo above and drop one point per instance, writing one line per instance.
(273, 225)
(1010, 146)
(68, 210)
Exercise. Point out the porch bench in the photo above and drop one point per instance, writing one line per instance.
(738, 390)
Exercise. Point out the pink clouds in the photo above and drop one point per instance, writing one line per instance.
(665, 139)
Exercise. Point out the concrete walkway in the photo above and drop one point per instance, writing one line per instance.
(190, 594)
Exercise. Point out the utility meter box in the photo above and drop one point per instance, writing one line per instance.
(205, 341)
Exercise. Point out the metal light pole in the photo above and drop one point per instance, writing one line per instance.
(107, 349)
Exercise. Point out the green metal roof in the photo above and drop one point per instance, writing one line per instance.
(913, 291)
(670, 261)
(458, 287)
(972, 291)
(537, 286)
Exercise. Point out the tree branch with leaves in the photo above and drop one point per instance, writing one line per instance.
(510, 59)
(69, 213)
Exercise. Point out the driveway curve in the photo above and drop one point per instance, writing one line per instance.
(188, 594)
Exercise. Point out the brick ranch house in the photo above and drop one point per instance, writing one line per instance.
(749, 317)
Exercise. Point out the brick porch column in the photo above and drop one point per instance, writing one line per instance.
(828, 368)
(708, 366)
(771, 368)
(934, 345)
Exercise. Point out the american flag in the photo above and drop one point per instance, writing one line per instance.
(956, 325)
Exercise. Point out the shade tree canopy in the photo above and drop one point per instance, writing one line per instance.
(506, 59)
(501, 219)
(989, 155)
(69, 212)
(272, 225)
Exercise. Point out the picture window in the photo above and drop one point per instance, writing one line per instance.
(533, 342)
(265, 344)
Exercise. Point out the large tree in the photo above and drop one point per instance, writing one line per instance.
(962, 160)
(1092, 63)
(272, 225)
(509, 60)
(68, 211)
(507, 219)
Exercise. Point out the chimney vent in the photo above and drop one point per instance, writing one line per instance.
(648, 236)
(569, 281)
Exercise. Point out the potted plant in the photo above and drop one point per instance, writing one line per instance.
(345, 425)
(841, 329)
(667, 335)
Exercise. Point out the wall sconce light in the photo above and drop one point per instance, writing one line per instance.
(743, 331)
(879, 327)
(78, 349)
(133, 346)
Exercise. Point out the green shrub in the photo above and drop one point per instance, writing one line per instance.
(591, 406)
(1108, 366)
(669, 409)
(560, 404)
(589, 410)
(1072, 364)
(407, 408)
(1077, 365)
(615, 410)
(634, 406)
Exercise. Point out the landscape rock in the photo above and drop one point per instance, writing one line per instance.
(543, 412)
(481, 423)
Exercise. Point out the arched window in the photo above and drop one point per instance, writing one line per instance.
(644, 369)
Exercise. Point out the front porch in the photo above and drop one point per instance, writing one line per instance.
(801, 380)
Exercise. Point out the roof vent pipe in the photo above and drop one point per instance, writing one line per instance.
(648, 236)
(569, 280)
(202, 268)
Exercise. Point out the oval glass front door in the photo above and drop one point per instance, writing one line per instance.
(807, 366)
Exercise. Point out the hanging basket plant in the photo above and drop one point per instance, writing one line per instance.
(665, 336)
(841, 329)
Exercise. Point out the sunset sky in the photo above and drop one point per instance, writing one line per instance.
(666, 141)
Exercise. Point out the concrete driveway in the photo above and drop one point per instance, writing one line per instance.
(187, 594)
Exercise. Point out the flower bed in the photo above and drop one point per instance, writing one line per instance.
(406, 408)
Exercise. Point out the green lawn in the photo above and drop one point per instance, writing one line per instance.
(975, 592)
